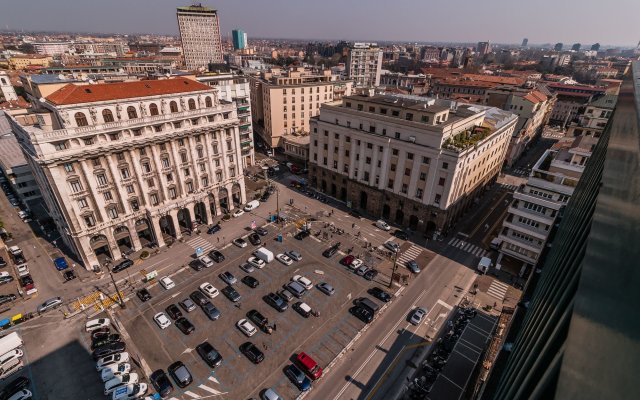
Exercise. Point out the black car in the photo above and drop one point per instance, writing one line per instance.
(14, 387)
(231, 294)
(331, 251)
(3, 263)
(214, 228)
(260, 320)
(161, 383)
(265, 197)
(254, 238)
(276, 302)
(362, 314)
(185, 325)
(112, 338)
(5, 279)
(211, 311)
(371, 274)
(250, 281)
(355, 213)
(302, 234)
(400, 234)
(143, 295)
(180, 374)
(7, 298)
(216, 255)
(69, 275)
(122, 266)
(198, 298)
(261, 231)
(379, 294)
(197, 265)
(108, 349)
(252, 352)
(209, 354)
(173, 311)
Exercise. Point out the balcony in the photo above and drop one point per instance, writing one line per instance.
(521, 243)
(537, 200)
(523, 212)
(513, 224)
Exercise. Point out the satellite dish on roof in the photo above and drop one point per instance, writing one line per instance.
(61, 77)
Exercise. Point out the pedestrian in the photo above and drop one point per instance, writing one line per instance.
(274, 326)
(218, 239)
(353, 225)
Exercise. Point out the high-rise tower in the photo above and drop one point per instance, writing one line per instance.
(200, 35)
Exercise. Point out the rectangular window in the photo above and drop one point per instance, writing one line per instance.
(383, 111)
(200, 153)
(60, 145)
(187, 172)
(68, 167)
(172, 193)
(397, 135)
(441, 182)
(394, 152)
(165, 163)
(125, 173)
(425, 160)
(112, 212)
(367, 160)
(445, 165)
(232, 172)
(120, 156)
(142, 151)
(189, 187)
(183, 157)
(390, 184)
(107, 196)
(437, 199)
(395, 113)
(423, 176)
(345, 168)
(393, 167)
(408, 117)
(410, 156)
(419, 193)
(102, 179)
(202, 167)
(219, 176)
(154, 199)
(89, 220)
(404, 188)
(335, 164)
(82, 203)
(169, 177)
(96, 162)
(369, 145)
(366, 176)
(204, 181)
(324, 161)
(130, 189)
(146, 167)
(407, 171)
(180, 142)
(230, 158)
(150, 182)
(134, 205)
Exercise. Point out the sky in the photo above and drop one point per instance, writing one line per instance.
(613, 22)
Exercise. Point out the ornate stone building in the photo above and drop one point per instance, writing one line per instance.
(123, 165)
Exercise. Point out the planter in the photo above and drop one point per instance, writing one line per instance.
(144, 255)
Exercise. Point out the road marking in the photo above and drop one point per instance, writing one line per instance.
(445, 305)
(210, 390)
(498, 290)
(189, 393)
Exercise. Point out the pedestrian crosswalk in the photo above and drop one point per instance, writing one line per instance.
(210, 391)
(521, 171)
(468, 247)
(200, 242)
(498, 290)
(509, 187)
(411, 253)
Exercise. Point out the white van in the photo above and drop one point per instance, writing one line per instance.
(6, 358)
(118, 381)
(484, 264)
(252, 205)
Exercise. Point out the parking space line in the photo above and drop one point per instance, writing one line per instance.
(190, 393)
(211, 390)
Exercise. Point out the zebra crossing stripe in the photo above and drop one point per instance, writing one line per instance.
(468, 247)
(453, 241)
(210, 390)
(477, 252)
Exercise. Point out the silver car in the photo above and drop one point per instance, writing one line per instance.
(246, 267)
(325, 288)
(50, 305)
(418, 315)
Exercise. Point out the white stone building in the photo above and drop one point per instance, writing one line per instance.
(123, 165)
(200, 36)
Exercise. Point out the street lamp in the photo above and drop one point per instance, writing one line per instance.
(395, 267)
(122, 305)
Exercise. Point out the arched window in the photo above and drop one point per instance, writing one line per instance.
(192, 104)
(81, 119)
(153, 109)
(208, 102)
(107, 115)
(131, 112)
(173, 106)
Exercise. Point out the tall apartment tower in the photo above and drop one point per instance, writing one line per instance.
(239, 39)
(484, 48)
(6, 88)
(200, 35)
(364, 64)
(525, 42)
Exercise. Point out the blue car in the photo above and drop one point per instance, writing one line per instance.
(298, 378)
(60, 263)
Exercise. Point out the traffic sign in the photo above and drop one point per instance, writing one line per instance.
(199, 252)
(253, 224)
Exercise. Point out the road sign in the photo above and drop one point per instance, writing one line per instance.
(151, 275)
(199, 252)
(253, 224)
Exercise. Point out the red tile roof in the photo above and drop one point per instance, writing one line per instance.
(535, 96)
(77, 94)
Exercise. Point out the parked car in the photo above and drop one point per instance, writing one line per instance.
(417, 315)
(363, 314)
(361, 270)
(113, 370)
(207, 261)
(121, 266)
(261, 231)
(167, 283)
(161, 383)
(302, 234)
(22, 270)
(276, 302)
(255, 240)
(393, 246)
(256, 262)
(309, 365)
(94, 324)
(173, 311)
(240, 242)
(298, 378)
(3, 263)
(371, 274)
(144, 295)
(105, 362)
(7, 279)
(134, 391)
(213, 229)
(380, 224)
(379, 294)
(209, 354)
(250, 281)
(197, 265)
(108, 349)
(246, 267)
(252, 352)
(412, 265)
(237, 213)
(216, 255)
(162, 320)
(305, 282)
(230, 293)
(185, 325)
(7, 298)
(69, 275)
(50, 304)
(180, 374)
(260, 320)
(294, 255)
(119, 381)
(331, 251)
(228, 278)
(283, 258)
(400, 234)
(14, 386)
(326, 288)
(112, 338)
(302, 308)
(210, 311)
(296, 289)
(246, 327)
(209, 290)
(347, 260)
(100, 333)
(286, 295)
(60, 263)
(198, 297)
(187, 304)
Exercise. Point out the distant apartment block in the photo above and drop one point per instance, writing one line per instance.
(26, 61)
(364, 64)
(414, 161)
(200, 36)
(239, 39)
(52, 48)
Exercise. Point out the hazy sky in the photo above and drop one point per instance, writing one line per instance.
(506, 21)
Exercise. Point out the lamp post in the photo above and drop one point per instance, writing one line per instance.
(395, 267)
(121, 300)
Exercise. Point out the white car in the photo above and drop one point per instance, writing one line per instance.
(122, 380)
(246, 327)
(285, 259)
(207, 261)
(418, 315)
(97, 324)
(22, 270)
(383, 225)
(303, 281)
(114, 370)
(240, 242)
(167, 283)
(162, 320)
(134, 391)
(256, 262)
(237, 213)
(393, 246)
(246, 267)
(105, 362)
(8, 357)
(24, 394)
(209, 290)
(356, 263)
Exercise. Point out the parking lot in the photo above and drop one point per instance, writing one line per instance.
(322, 337)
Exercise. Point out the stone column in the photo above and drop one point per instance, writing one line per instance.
(87, 253)
(135, 240)
(174, 218)
(157, 232)
(192, 212)
(113, 246)
(207, 209)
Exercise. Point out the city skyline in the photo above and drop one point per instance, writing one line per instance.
(279, 19)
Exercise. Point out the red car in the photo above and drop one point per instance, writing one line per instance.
(347, 260)
(309, 366)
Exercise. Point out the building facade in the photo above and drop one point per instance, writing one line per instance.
(25, 61)
(200, 36)
(239, 39)
(282, 101)
(235, 88)
(415, 161)
(52, 48)
(364, 63)
(6, 88)
(124, 165)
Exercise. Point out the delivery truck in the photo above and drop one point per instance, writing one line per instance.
(10, 342)
(264, 254)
